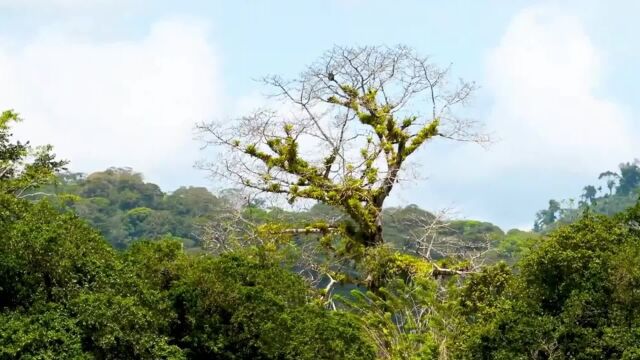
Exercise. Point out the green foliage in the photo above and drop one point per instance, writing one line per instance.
(54, 266)
(629, 178)
(61, 253)
(46, 333)
(23, 167)
(571, 293)
(473, 231)
(383, 265)
(481, 294)
(183, 213)
(625, 182)
(62, 284)
(516, 244)
(589, 194)
(345, 80)
(124, 207)
(65, 293)
(571, 298)
(239, 306)
(546, 218)
(401, 318)
(117, 327)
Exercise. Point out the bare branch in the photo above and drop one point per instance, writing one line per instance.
(343, 130)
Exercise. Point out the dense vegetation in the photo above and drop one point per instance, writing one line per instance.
(108, 266)
(65, 293)
(619, 191)
(125, 208)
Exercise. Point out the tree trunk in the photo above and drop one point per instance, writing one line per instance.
(373, 235)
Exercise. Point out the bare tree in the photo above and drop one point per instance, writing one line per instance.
(434, 238)
(230, 230)
(238, 223)
(426, 232)
(233, 228)
(344, 129)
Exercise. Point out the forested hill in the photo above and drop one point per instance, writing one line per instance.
(613, 192)
(126, 208)
(65, 293)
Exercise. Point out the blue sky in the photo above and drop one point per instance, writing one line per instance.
(122, 82)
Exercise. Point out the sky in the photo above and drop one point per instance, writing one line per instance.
(122, 83)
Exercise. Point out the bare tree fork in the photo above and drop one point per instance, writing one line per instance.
(344, 129)
(426, 229)
(22, 195)
(308, 230)
(434, 239)
(229, 231)
(316, 261)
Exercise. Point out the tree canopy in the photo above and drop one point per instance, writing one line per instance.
(350, 122)
(109, 266)
(622, 193)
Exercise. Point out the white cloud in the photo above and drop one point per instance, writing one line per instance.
(555, 129)
(545, 77)
(123, 103)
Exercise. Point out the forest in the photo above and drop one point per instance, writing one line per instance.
(109, 266)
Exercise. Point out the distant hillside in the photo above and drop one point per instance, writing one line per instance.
(125, 208)
(616, 192)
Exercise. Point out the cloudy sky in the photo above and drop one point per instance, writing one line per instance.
(122, 83)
